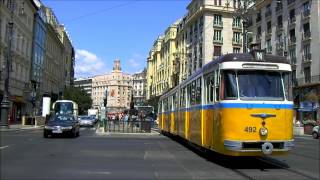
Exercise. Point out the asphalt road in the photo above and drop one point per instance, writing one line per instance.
(27, 155)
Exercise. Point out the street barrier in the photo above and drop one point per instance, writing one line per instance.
(137, 126)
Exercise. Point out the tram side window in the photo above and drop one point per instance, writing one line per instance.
(193, 92)
(287, 85)
(216, 84)
(175, 101)
(198, 91)
(188, 95)
(170, 103)
(182, 97)
(165, 105)
(209, 88)
(160, 107)
(228, 85)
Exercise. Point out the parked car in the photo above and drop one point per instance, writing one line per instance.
(86, 120)
(316, 132)
(61, 125)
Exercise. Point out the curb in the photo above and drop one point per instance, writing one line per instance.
(21, 129)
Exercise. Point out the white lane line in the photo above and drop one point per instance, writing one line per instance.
(3, 147)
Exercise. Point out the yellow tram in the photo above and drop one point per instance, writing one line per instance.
(237, 105)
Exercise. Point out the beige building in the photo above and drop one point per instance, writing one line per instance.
(291, 28)
(208, 30)
(139, 87)
(117, 84)
(68, 55)
(53, 77)
(21, 13)
(59, 60)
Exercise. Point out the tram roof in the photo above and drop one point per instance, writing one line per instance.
(248, 57)
(233, 57)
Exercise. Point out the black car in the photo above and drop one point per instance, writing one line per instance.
(61, 125)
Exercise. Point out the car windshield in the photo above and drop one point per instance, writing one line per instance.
(260, 85)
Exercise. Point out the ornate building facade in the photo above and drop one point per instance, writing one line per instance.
(21, 14)
(208, 30)
(118, 86)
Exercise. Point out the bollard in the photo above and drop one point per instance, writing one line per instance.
(104, 124)
(23, 120)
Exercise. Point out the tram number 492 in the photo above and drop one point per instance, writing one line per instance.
(250, 129)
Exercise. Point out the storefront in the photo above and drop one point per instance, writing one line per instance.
(307, 114)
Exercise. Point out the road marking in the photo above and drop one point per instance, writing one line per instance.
(3, 147)
(99, 172)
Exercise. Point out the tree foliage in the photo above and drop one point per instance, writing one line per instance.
(79, 96)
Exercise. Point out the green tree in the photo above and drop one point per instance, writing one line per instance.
(79, 96)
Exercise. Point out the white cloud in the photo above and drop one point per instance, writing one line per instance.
(88, 64)
(136, 62)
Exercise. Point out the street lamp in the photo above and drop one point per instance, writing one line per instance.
(5, 104)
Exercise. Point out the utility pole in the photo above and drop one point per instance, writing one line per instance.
(5, 104)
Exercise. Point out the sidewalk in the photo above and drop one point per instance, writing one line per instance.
(19, 127)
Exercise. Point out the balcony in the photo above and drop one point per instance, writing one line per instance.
(218, 40)
(279, 28)
(236, 42)
(217, 24)
(279, 46)
(292, 41)
(236, 27)
(258, 19)
(293, 61)
(258, 38)
(269, 33)
(306, 58)
(268, 13)
(279, 8)
(291, 21)
(291, 3)
(306, 36)
(305, 80)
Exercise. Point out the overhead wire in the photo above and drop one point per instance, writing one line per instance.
(102, 11)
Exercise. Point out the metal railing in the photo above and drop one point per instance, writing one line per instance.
(305, 81)
(133, 126)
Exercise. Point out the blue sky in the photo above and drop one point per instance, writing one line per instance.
(102, 30)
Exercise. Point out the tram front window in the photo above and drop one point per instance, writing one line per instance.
(260, 85)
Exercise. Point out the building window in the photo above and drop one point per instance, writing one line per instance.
(307, 74)
(292, 55)
(217, 20)
(217, 35)
(292, 17)
(236, 50)
(258, 17)
(236, 22)
(217, 51)
(279, 21)
(217, 2)
(259, 32)
(269, 27)
(306, 8)
(268, 46)
(236, 37)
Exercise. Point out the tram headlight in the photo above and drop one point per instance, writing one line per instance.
(263, 131)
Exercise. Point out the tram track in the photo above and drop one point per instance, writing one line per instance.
(284, 167)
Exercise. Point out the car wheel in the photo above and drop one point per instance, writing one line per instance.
(45, 135)
(315, 135)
